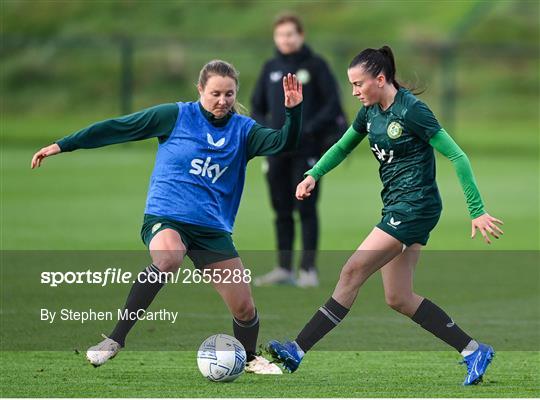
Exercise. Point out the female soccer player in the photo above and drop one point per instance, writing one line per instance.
(402, 133)
(194, 193)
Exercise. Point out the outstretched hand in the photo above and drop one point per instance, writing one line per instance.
(292, 89)
(304, 188)
(486, 224)
(44, 152)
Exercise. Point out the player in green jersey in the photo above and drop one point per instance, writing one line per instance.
(402, 133)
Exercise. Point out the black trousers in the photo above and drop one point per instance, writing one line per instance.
(285, 172)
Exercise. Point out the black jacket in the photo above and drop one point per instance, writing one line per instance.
(323, 118)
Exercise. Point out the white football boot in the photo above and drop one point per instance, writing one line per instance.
(307, 278)
(103, 351)
(261, 366)
(278, 276)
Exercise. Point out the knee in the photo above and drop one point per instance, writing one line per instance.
(167, 260)
(244, 310)
(353, 273)
(398, 302)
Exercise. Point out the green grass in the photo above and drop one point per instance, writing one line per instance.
(375, 352)
(509, 321)
(254, 19)
(92, 201)
(95, 200)
(323, 374)
(62, 57)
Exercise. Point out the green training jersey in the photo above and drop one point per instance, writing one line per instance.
(399, 138)
(159, 122)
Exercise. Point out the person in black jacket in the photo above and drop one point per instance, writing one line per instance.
(323, 120)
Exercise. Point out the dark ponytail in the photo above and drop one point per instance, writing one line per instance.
(378, 61)
(387, 51)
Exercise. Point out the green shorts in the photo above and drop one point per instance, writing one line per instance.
(409, 228)
(204, 245)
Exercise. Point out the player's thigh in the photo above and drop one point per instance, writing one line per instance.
(397, 275)
(380, 241)
(231, 281)
(377, 249)
(167, 250)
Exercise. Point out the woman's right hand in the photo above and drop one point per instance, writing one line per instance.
(304, 188)
(487, 225)
(44, 152)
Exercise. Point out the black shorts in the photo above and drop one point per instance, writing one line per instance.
(409, 228)
(204, 245)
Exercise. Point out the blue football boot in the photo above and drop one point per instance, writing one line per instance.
(286, 352)
(477, 364)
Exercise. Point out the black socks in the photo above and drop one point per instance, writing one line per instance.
(247, 332)
(324, 320)
(429, 316)
(140, 297)
(435, 320)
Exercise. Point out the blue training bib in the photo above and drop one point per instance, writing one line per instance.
(200, 170)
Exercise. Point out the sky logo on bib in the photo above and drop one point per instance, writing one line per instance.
(394, 130)
(210, 140)
(203, 168)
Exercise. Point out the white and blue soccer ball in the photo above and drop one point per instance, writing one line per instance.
(221, 358)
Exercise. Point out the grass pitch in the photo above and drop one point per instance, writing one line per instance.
(322, 374)
(93, 200)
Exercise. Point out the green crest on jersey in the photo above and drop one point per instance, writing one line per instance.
(394, 130)
(156, 227)
(303, 76)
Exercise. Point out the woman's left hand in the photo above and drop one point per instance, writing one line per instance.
(292, 89)
(44, 152)
(486, 224)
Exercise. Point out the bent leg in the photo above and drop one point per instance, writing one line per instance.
(398, 290)
(376, 250)
(230, 283)
(397, 278)
(167, 251)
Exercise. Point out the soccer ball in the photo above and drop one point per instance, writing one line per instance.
(221, 358)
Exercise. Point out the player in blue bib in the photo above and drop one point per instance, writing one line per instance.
(194, 194)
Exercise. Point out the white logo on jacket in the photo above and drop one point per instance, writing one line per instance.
(203, 168)
(275, 76)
